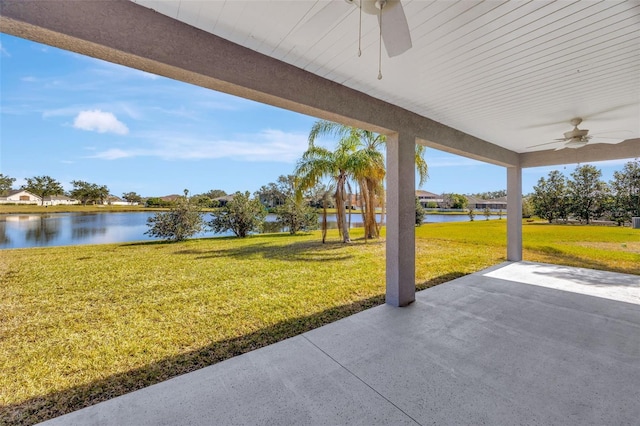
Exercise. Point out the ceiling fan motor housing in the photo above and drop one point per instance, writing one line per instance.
(576, 133)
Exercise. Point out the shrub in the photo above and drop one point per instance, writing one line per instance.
(421, 213)
(241, 215)
(182, 221)
(296, 215)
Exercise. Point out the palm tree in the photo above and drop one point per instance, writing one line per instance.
(361, 159)
(318, 162)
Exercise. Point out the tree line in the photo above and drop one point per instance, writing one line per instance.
(585, 196)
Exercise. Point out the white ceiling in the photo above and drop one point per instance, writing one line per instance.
(513, 73)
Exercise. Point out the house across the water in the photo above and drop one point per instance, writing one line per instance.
(22, 196)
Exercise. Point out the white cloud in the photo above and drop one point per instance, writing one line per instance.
(99, 121)
(115, 154)
(268, 145)
(3, 51)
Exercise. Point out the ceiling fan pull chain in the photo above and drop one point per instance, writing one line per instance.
(360, 32)
(380, 45)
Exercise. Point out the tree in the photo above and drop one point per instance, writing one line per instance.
(527, 206)
(586, 192)
(486, 212)
(158, 202)
(132, 197)
(203, 201)
(215, 193)
(296, 215)
(89, 192)
(421, 213)
(625, 188)
(242, 215)
(182, 221)
(276, 193)
(358, 157)
(472, 214)
(455, 201)
(43, 186)
(491, 195)
(6, 183)
(549, 198)
(318, 162)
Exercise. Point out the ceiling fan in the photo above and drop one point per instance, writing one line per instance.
(392, 21)
(577, 138)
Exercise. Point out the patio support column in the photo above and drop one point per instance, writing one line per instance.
(514, 213)
(401, 204)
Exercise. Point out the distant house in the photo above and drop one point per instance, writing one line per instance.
(222, 201)
(113, 200)
(480, 204)
(59, 200)
(425, 197)
(20, 196)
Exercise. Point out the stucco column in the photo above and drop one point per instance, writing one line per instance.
(401, 205)
(514, 213)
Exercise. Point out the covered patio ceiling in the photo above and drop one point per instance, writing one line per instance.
(492, 80)
(513, 73)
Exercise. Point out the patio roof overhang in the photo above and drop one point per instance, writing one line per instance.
(126, 33)
(123, 32)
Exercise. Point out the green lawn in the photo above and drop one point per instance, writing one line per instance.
(82, 324)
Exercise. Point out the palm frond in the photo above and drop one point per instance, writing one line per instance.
(327, 128)
(421, 164)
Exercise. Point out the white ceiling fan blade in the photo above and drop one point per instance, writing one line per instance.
(547, 143)
(395, 29)
(322, 22)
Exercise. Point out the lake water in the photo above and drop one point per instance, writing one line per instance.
(61, 229)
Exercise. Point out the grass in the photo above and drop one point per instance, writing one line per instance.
(82, 324)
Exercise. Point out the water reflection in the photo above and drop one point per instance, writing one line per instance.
(58, 229)
(42, 231)
(85, 226)
(4, 238)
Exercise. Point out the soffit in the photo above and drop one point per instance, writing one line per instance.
(513, 73)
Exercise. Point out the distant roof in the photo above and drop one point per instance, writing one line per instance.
(476, 200)
(499, 199)
(17, 191)
(224, 198)
(421, 193)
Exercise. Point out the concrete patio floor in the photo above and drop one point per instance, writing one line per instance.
(519, 343)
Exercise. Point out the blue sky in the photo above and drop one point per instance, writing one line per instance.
(74, 117)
